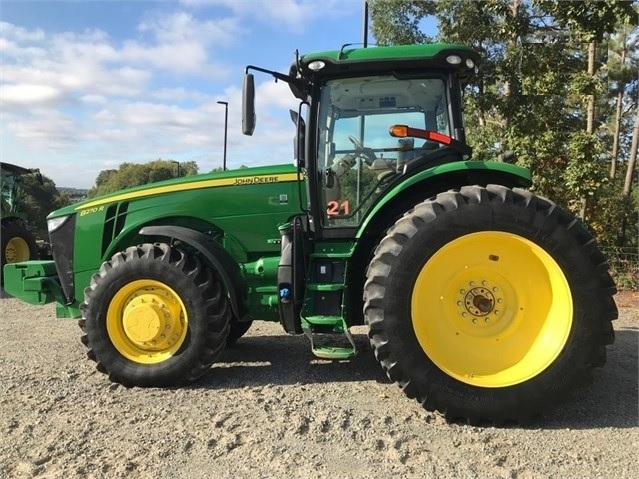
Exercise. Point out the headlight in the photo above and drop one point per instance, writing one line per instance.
(55, 223)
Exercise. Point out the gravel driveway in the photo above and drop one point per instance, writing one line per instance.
(269, 409)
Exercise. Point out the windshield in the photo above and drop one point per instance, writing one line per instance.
(356, 154)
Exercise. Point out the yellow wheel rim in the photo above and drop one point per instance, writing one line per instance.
(492, 309)
(17, 250)
(147, 321)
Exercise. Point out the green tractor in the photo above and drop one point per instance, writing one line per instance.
(482, 301)
(18, 242)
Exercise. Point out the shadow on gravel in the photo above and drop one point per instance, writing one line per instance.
(288, 360)
(612, 400)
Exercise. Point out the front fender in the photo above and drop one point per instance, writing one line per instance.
(217, 256)
(454, 174)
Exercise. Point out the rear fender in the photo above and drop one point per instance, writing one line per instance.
(215, 254)
(429, 182)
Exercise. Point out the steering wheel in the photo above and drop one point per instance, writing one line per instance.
(360, 150)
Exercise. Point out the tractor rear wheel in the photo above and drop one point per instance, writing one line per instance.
(489, 304)
(18, 244)
(154, 316)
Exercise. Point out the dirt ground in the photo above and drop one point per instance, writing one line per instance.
(268, 409)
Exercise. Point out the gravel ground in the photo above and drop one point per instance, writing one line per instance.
(269, 409)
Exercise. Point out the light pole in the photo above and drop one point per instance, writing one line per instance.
(178, 167)
(226, 127)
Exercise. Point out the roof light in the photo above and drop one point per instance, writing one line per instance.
(454, 59)
(470, 63)
(316, 65)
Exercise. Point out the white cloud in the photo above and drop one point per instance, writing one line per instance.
(27, 94)
(45, 130)
(21, 34)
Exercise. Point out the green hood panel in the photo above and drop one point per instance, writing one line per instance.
(242, 176)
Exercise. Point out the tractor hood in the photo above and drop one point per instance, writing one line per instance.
(242, 176)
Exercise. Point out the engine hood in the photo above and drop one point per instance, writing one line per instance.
(242, 176)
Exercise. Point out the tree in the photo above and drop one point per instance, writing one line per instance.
(397, 21)
(38, 199)
(135, 174)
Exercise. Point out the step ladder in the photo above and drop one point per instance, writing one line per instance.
(322, 317)
(319, 327)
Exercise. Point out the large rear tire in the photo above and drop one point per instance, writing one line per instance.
(489, 304)
(154, 316)
(18, 244)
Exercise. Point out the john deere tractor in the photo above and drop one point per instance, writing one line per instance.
(482, 300)
(18, 243)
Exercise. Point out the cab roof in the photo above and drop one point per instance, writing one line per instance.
(404, 57)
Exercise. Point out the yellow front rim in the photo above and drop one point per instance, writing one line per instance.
(492, 309)
(147, 321)
(17, 250)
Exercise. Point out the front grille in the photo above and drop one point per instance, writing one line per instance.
(62, 248)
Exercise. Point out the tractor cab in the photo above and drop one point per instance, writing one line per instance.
(358, 154)
(9, 183)
(374, 116)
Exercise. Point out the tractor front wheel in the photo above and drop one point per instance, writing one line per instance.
(154, 316)
(489, 304)
(237, 330)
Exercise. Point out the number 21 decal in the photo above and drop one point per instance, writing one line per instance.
(335, 208)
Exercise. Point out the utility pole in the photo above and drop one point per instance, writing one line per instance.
(178, 167)
(365, 24)
(226, 128)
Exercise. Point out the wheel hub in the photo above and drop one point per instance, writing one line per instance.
(16, 250)
(479, 302)
(147, 322)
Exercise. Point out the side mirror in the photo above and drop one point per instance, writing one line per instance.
(299, 141)
(248, 105)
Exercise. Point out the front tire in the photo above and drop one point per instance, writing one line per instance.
(154, 316)
(489, 304)
(237, 330)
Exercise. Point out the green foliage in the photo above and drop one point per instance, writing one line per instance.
(37, 200)
(397, 21)
(367, 181)
(585, 173)
(134, 174)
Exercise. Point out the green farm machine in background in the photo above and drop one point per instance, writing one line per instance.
(482, 301)
(18, 242)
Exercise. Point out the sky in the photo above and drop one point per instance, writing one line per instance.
(88, 85)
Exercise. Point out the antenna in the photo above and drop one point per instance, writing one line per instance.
(365, 24)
